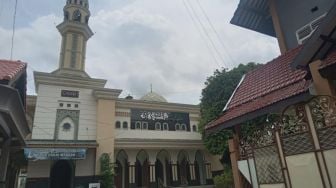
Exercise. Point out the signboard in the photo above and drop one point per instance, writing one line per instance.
(150, 117)
(54, 154)
(68, 93)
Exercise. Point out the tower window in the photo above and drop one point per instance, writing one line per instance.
(125, 125)
(87, 19)
(117, 125)
(68, 105)
(66, 15)
(61, 104)
(77, 16)
(76, 105)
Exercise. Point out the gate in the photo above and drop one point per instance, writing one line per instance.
(296, 151)
(260, 155)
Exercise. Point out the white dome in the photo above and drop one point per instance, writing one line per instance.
(152, 96)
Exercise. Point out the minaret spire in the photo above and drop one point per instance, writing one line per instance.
(75, 33)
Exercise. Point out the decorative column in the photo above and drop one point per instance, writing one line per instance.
(131, 171)
(208, 173)
(152, 176)
(192, 174)
(174, 174)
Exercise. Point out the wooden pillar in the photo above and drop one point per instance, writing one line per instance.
(322, 86)
(277, 27)
(4, 160)
(234, 156)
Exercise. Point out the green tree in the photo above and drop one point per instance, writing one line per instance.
(218, 90)
(106, 169)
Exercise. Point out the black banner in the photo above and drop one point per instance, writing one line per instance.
(68, 93)
(146, 119)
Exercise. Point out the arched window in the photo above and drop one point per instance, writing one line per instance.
(87, 19)
(145, 125)
(138, 125)
(125, 125)
(177, 126)
(157, 126)
(183, 127)
(117, 125)
(77, 16)
(194, 127)
(165, 126)
(66, 15)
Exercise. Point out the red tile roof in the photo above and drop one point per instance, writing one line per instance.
(264, 86)
(330, 60)
(10, 69)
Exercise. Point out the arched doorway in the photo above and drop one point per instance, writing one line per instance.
(183, 168)
(162, 171)
(142, 169)
(61, 174)
(200, 168)
(121, 170)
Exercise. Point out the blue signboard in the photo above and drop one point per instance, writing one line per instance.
(54, 154)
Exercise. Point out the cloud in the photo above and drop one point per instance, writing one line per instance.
(138, 43)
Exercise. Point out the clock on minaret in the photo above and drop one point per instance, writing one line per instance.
(75, 33)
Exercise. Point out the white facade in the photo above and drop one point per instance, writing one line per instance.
(49, 100)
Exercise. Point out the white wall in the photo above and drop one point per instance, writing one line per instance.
(152, 134)
(38, 169)
(47, 103)
(86, 167)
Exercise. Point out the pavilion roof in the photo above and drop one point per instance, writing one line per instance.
(9, 70)
(261, 88)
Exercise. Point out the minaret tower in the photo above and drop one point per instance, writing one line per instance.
(75, 33)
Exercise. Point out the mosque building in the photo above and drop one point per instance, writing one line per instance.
(75, 120)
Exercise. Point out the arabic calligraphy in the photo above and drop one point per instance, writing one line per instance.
(146, 115)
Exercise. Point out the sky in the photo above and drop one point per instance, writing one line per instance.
(172, 44)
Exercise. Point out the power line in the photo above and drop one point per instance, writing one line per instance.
(13, 33)
(205, 30)
(215, 31)
(200, 32)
